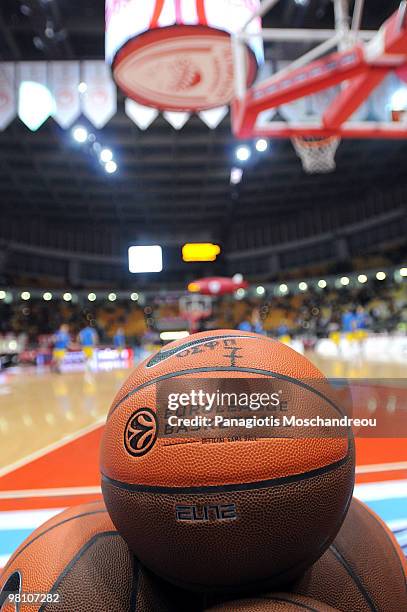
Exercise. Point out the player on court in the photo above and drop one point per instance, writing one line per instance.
(119, 340)
(88, 339)
(253, 323)
(62, 341)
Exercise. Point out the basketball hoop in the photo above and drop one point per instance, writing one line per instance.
(195, 307)
(317, 153)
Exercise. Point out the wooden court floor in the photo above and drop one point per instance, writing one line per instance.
(39, 409)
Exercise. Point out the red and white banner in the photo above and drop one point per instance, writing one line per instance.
(35, 72)
(8, 102)
(143, 116)
(64, 78)
(35, 103)
(99, 103)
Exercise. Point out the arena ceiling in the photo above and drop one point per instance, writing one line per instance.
(168, 179)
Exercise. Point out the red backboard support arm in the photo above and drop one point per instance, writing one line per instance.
(361, 69)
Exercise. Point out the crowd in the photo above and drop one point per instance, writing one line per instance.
(376, 307)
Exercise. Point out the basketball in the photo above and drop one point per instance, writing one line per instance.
(364, 569)
(286, 602)
(235, 513)
(203, 306)
(65, 559)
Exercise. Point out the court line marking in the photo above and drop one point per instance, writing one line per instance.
(51, 447)
(26, 519)
(62, 492)
(381, 467)
(377, 491)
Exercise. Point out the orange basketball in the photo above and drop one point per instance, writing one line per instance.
(215, 512)
(74, 561)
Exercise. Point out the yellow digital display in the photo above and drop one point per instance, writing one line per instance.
(200, 252)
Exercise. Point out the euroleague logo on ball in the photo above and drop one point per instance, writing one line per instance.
(141, 432)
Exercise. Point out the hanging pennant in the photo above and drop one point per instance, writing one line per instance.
(214, 116)
(35, 101)
(8, 103)
(99, 102)
(143, 116)
(64, 80)
(177, 120)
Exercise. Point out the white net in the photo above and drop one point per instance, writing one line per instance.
(195, 307)
(317, 153)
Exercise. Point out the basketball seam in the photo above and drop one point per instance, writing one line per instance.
(135, 583)
(75, 559)
(346, 565)
(290, 600)
(50, 529)
(227, 488)
(267, 373)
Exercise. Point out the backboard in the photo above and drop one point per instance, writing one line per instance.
(351, 84)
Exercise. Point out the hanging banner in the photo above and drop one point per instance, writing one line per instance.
(35, 101)
(214, 116)
(176, 55)
(8, 102)
(142, 116)
(64, 78)
(177, 120)
(99, 102)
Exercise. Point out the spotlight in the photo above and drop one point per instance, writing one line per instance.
(362, 278)
(238, 278)
(134, 297)
(92, 297)
(111, 167)
(236, 175)
(381, 276)
(322, 284)
(25, 295)
(47, 296)
(106, 155)
(403, 272)
(303, 286)
(243, 153)
(82, 87)
(260, 290)
(262, 145)
(240, 293)
(345, 281)
(283, 288)
(112, 297)
(3, 295)
(67, 297)
(25, 10)
(80, 134)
